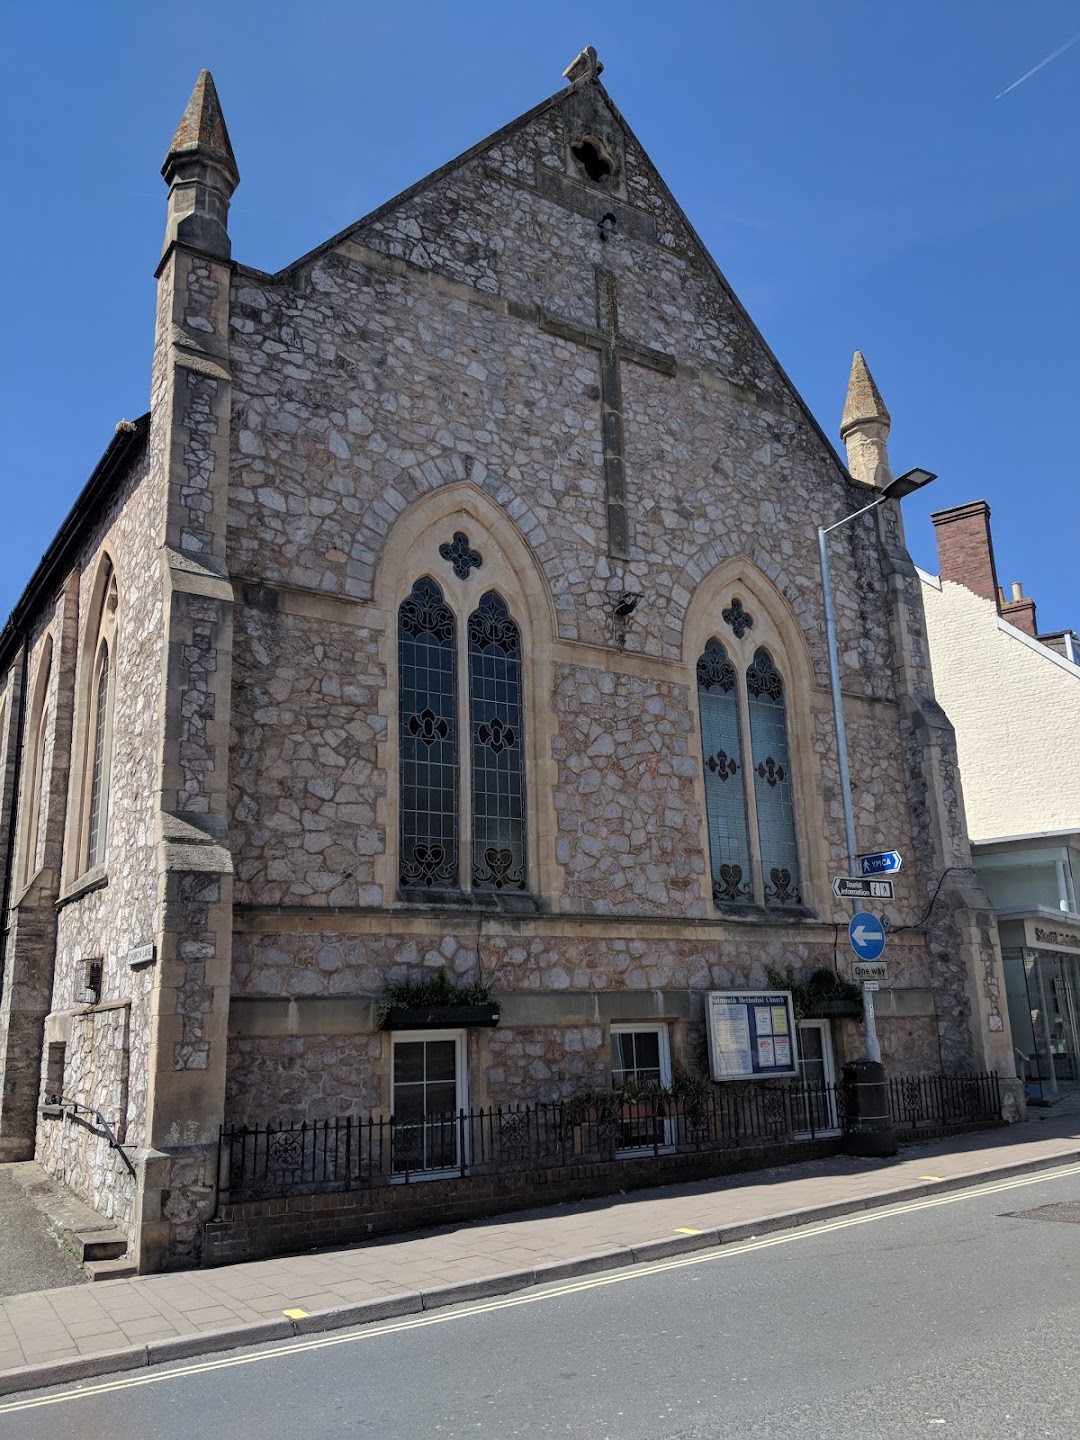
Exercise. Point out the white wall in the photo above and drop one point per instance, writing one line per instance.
(1016, 708)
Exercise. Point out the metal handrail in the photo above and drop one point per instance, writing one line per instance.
(76, 1106)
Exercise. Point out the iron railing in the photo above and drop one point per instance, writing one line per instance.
(917, 1101)
(259, 1162)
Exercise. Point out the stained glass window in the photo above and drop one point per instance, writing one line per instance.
(725, 789)
(427, 709)
(498, 769)
(99, 794)
(773, 790)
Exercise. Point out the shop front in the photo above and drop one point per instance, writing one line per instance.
(1040, 948)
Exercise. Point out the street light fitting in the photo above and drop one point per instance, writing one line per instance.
(906, 484)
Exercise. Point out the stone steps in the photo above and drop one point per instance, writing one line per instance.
(118, 1269)
(104, 1244)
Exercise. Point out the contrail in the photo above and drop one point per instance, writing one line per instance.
(1035, 70)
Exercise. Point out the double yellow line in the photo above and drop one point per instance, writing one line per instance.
(540, 1294)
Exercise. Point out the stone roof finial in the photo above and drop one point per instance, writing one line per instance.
(202, 131)
(585, 66)
(864, 403)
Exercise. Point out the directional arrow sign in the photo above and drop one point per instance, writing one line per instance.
(885, 862)
(853, 888)
(866, 935)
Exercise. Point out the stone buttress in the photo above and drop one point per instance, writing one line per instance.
(191, 397)
(961, 930)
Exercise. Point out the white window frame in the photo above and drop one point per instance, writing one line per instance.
(461, 1081)
(646, 1028)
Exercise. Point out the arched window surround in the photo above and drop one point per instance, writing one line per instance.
(775, 630)
(89, 807)
(511, 572)
(32, 826)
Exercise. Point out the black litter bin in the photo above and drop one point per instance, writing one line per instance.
(868, 1122)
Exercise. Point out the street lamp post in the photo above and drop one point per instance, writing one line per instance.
(903, 485)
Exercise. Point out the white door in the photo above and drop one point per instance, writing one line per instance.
(815, 1107)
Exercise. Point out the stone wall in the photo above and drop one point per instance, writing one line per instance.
(118, 912)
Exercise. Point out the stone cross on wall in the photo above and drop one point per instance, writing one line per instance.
(613, 349)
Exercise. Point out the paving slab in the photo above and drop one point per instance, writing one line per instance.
(61, 1334)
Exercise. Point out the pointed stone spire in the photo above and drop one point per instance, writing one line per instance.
(202, 128)
(864, 427)
(200, 170)
(864, 400)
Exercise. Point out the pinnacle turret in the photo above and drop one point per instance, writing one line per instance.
(864, 402)
(864, 427)
(201, 172)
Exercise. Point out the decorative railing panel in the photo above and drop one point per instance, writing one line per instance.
(260, 1162)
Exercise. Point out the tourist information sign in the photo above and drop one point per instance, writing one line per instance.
(851, 887)
(884, 862)
(866, 935)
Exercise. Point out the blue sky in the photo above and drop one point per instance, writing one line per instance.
(846, 161)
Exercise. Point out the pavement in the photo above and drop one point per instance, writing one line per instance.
(31, 1257)
(56, 1336)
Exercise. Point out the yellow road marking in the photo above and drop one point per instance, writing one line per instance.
(931, 1177)
(540, 1293)
(685, 1230)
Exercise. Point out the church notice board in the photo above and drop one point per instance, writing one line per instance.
(751, 1035)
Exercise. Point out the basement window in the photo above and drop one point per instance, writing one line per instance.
(594, 158)
(92, 975)
(54, 1072)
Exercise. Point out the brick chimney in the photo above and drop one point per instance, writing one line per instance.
(965, 550)
(1019, 611)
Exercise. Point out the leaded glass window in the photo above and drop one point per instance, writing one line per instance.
(725, 791)
(427, 710)
(498, 771)
(773, 790)
(99, 793)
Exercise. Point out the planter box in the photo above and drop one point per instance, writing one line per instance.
(440, 1017)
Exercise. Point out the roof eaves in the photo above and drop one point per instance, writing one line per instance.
(57, 558)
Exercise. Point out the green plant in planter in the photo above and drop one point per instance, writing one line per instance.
(432, 992)
(686, 1093)
(821, 987)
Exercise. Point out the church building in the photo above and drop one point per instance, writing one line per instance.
(425, 707)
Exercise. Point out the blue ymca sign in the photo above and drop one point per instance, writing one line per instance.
(885, 862)
(866, 935)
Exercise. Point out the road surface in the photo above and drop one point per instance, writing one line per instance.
(951, 1316)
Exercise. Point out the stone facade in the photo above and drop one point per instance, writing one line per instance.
(551, 364)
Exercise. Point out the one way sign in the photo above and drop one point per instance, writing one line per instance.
(866, 935)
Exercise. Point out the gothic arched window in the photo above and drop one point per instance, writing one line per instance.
(98, 696)
(427, 711)
(440, 780)
(749, 802)
(773, 791)
(725, 790)
(99, 777)
(37, 786)
(498, 770)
